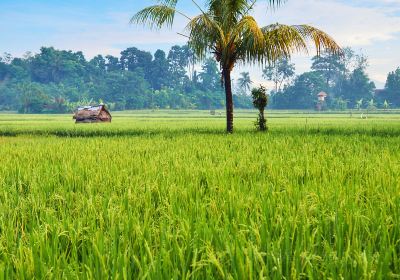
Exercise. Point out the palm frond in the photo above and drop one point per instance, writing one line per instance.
(322, 41)
(204, 32)
(284, 40)
(249, 31)
(155, 16)
(249, 40)
(281, 41)
(226, 29)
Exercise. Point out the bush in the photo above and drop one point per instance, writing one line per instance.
(260, 101)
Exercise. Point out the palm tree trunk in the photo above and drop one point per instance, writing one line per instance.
(229, 100)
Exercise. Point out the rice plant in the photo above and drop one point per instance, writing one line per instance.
(168, 196)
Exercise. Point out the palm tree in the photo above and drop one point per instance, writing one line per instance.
(245, 82)
(227, 29)
(386, 105)
(359, 104)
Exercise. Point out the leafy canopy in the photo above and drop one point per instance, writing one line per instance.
(227, 29)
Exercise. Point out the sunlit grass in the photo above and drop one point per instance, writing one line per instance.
(160, 195)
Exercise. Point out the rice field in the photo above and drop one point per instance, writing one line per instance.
(169, 195)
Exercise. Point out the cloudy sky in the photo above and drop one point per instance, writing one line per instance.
(102, 27)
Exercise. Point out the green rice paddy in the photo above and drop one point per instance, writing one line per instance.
(169, 195)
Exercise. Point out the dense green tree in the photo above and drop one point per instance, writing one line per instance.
(19, 69)
(99, 63)
(54, 81)
(113, 63)
(210, 76)
(160, 74)
(357, 87)
(210, 84)
(331, 66)
(302, 94)
(8, 96)
(53, 66)
(179, 58)
(32, 98)
(129, 90)
(4, 70)
(133, 58)
(392, 88)
(279, 72)
(242, 101)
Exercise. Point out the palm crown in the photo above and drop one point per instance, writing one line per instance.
(227, 29)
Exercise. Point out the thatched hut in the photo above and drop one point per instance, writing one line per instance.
(92, 114)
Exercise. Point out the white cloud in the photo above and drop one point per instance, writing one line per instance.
(348, 24)
(372, 28)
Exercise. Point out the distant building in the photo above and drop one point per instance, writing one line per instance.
(321, 101)
(321, 96)
(92, 114)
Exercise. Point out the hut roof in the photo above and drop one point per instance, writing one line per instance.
(322, 94)
(92, 113)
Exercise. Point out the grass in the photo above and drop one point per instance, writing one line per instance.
(168, 195)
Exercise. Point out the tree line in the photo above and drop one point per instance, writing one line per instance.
(342, 77)
(57, 81)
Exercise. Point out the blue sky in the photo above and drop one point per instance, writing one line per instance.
(102, 27)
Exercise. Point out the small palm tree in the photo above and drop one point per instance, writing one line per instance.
(371, 104)
(386, 105)
(359, 104)
(227, 29)
(245, 82)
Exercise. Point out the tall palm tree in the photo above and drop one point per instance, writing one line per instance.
(245, 82)
(227, 29)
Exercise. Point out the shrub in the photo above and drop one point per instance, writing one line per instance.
(260, 101)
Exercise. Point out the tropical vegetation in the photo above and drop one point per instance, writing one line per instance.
(56, 81)
(342, 77)
(64, 80)
(227, 29)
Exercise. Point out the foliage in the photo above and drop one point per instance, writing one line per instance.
(372, 105)
(260, 101)
(358, 86)
(227, 29)
(338, 103)
(330, 66)
(343, 77)
(302, 94)
(386, 105)
(280, 73)
(359, 104)
(52, 80)
(392, 88)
